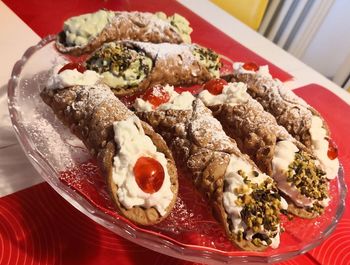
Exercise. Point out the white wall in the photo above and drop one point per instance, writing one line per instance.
(331, 45)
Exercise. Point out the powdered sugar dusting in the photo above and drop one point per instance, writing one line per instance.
(96, 95)
(288, 95)
(154, 24)
(208, 130)
(166, 50)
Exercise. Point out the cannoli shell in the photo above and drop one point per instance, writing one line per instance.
(201, 148)
(90, 112)
(126, 26)
(256, 133)
(173, 64)
(290, 111)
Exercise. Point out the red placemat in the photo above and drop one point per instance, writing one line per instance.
(46, 17)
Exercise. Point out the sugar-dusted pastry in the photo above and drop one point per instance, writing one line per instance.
(243, 199)
(138, 165)
(301, 120)
(132, 67)
(85, 33)
(296, 171)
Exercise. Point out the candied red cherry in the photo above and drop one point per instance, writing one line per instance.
(71, 66)
(215, 86)
(251, 66)
(156, 96)
(332, 150)
(149, 174)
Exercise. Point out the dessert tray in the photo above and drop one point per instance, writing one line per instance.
(190, 232)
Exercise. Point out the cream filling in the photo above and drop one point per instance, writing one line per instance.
(80, 29)
(180, 23)
(284, 156)
(233, 180)
(176, 101)
(232, 94)
(320, 147)
(134, 144)
(209, 59)
(275, 241)
(263, 70)
(71, 78)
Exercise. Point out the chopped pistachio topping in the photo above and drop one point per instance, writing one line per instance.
(120, 66)
(309, 179)
(209, 59)
(260, 209)
(288, 214)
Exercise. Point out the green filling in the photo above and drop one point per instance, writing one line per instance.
(261, 209)
(209, 59)
(120, 66)
(308, 179)
(80, 29)
(180, 23)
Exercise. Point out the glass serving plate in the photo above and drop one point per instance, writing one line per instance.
(190, 232)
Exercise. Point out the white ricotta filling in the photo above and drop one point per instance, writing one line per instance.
(71, 78)
(232, 94)
(263, 70)
(176, 101)
(233, 180)
(320, 147)
(284, 156)
(134, 144)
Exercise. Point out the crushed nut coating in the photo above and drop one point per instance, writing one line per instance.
(117, 59)
(309, 179)
(261, 209)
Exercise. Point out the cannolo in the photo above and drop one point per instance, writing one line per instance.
(85, 33)
(244, 200)
(132, 67)
(139, 167)
(301, 120)
(296, 171)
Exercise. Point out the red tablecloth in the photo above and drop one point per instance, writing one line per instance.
(38, 226)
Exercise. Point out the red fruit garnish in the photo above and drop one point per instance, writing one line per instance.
(149, 174)
(251, 66)
(332, 150)
(71, 66)
(156, 96)
(194, 90)
(215, 86)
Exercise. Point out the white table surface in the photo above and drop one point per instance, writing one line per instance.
(17, 173)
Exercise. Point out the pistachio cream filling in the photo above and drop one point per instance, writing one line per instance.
(119, 65)
(180, 23)
(209, 59)
(310, 180)
(80, 29)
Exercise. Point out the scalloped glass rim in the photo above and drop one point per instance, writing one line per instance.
(151, 240)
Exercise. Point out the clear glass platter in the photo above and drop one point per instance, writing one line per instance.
(190, 232)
